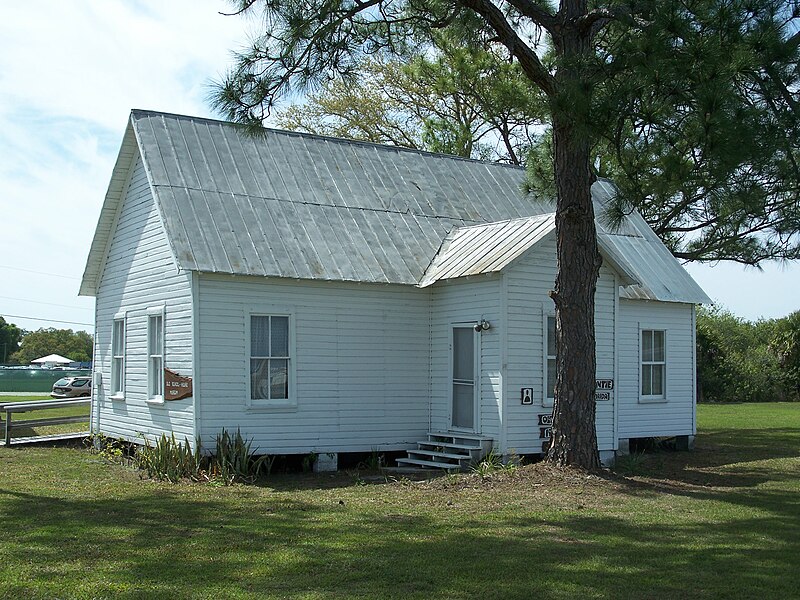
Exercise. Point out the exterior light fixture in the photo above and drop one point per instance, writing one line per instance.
(483, 325)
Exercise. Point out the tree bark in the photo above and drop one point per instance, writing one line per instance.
(574, 439)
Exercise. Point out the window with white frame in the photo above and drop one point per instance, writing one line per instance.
(155, 354)
(270, 359)
(118, 357)
(548, 398)
(654, 364)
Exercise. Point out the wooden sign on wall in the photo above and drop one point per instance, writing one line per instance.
(176, 387)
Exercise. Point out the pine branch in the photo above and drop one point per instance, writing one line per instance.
(507, 36)
(536, 13)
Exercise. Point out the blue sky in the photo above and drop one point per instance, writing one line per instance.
(69, 74)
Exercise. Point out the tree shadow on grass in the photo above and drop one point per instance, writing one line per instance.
(725, 459)
(167, 544)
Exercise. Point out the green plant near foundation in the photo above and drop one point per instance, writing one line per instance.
(170, 460)
(630, 464)
(108, 448)
(374, 462)
(493, 463)
(234, 459)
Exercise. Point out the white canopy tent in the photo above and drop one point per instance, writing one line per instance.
(52, 360)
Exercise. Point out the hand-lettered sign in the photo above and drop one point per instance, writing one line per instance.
(176, 387)
(603, 389)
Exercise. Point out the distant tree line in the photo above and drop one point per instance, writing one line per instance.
(744, 361)
(18, 346)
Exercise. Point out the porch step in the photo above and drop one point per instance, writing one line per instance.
(438, 444)
(448, 450)
(431, 464)
(435, 453)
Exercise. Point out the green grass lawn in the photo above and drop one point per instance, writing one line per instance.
(720, 522)
(69, 411)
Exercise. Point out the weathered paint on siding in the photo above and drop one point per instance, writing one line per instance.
(466, 300)
(140, 272)
(676, 415)
(527, 285)
(361, 364)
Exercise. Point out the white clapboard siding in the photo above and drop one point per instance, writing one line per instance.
(466, 300)
(676, 415)
(361, 361)
(140, 272)
(528, 283)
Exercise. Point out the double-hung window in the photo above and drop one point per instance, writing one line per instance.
(118, 357)
(270, 360)
(155, 354)
(548, 398)
(654, 365)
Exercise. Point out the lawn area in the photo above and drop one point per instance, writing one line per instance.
(69, 411)
(720, 522)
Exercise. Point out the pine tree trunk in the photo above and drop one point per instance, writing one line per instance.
(574, 438)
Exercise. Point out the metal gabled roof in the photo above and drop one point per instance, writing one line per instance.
(486, 248)
(285, 204)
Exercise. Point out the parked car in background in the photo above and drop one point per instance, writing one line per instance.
(72, 387)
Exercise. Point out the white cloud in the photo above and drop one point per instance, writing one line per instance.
(96, 60)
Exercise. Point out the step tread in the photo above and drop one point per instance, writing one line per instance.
(427, 463)
(449, 445)
(464, 436)
(441, 454)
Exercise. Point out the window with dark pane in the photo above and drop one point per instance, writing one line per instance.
(118, 357)
(155, 354)
(269, 357)
(654, 364)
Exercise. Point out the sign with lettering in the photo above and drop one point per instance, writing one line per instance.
(603, 389)
(176, 387)
(545, 433)
(546, 420)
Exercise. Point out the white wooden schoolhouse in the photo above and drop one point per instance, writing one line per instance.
(331, 296)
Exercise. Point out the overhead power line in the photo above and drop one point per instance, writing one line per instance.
(47, 320)
(38, 272)
(47, 303)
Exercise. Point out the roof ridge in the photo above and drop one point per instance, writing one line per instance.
(511, 220)
(140, 111)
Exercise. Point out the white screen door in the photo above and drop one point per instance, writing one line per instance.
(463, 413)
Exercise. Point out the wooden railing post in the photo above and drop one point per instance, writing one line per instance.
(8, 427)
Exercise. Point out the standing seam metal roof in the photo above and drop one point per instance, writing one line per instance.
(285, 204)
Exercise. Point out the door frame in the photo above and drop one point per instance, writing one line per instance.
(476, 396)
